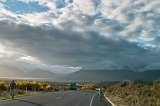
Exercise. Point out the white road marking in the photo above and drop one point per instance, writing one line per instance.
(92, 99)
(109, 101)
(58, 97)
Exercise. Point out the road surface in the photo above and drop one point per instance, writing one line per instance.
(66, 98)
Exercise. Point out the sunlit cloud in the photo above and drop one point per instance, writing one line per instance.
(92, 34)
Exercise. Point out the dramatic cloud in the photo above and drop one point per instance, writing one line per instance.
(92, 34)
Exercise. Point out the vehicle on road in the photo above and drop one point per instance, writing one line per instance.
(73, 86)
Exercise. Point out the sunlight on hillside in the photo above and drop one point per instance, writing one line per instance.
(137, 94)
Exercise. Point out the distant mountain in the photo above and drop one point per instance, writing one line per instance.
(151, 75)
(111, 75)
(42, 74)
(6, 71)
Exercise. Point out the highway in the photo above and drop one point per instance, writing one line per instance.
(65, 98)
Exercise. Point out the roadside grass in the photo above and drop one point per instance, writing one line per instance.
(136, 94)
(32, 87)
(6, 95)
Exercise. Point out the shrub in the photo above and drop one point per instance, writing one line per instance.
(3, 85)
(20, 92)
(88, 87)
(137, 94)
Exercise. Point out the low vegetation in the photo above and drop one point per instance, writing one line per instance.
(125, 93)
(33, 85)
(88, 87)
(24, 87)
(136, 93)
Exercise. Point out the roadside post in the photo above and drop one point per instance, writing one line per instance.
(26, 90)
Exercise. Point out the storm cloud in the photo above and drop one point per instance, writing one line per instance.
(95, 34)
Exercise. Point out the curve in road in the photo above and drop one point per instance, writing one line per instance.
(66, 98)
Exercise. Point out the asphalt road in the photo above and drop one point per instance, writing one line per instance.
(66, 98)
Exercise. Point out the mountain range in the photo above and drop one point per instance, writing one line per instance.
(111, 75)
(81, 75)
(12, 72)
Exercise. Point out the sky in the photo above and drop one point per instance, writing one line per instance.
(64, 36)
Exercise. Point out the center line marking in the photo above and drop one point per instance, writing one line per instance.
(92, 99)
(58, 98)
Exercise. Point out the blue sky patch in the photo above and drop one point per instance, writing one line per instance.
(22, 8)
(60, 4)
(63, 3)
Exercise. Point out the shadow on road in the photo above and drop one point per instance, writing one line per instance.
(37, 104)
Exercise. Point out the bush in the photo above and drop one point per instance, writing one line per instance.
(3, 86)
(5, 94)
(33, 85)
(125, 83)
(137, 94)
(20, 92)
(88, 87)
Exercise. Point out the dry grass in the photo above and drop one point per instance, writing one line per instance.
(139, 94)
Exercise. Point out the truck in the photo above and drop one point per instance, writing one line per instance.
(73, 86)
